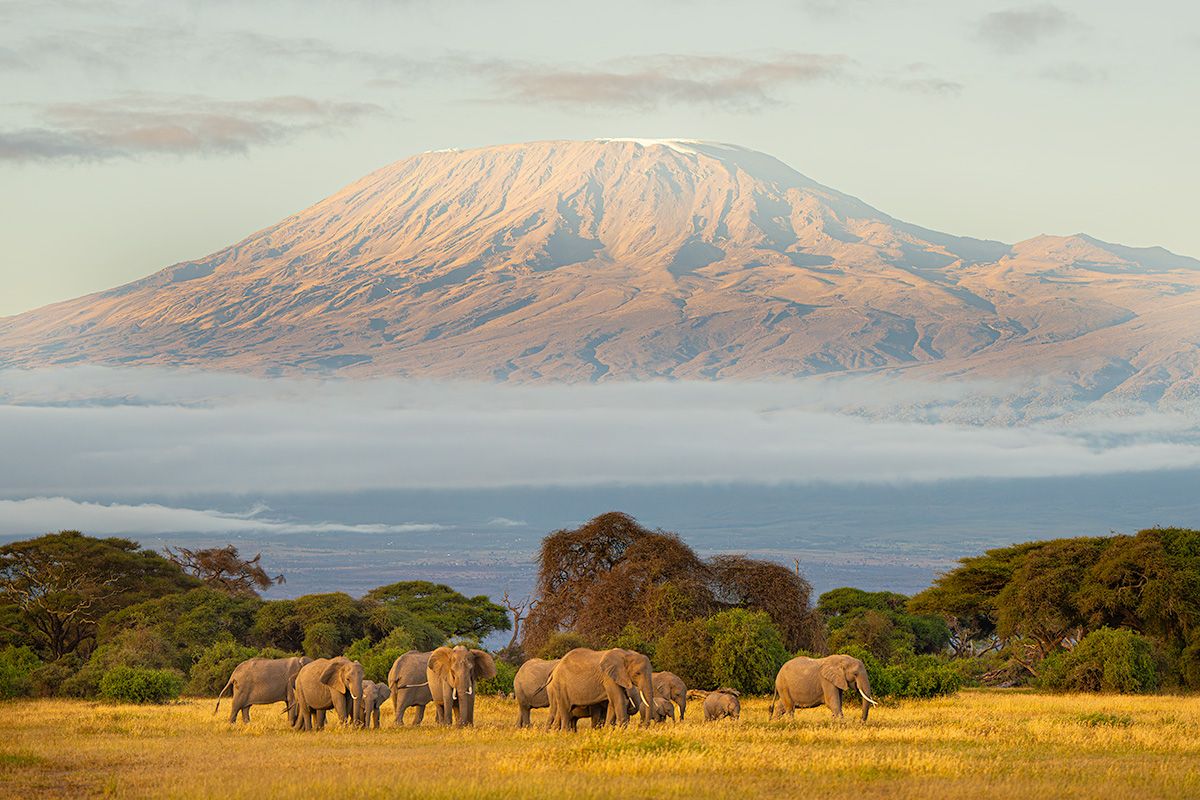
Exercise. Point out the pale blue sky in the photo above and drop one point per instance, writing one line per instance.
(137, 134)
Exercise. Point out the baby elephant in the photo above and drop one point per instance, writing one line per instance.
(722, 703)
(662, 709)
(374, 694)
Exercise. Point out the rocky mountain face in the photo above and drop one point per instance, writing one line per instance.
(626, 259)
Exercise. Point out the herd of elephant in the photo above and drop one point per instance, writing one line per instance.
(605, 686)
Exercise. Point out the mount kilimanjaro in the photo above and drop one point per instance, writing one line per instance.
(577, 261)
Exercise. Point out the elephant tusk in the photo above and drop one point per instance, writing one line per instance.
(867, 697)
(454, 694)
(470, 690)
(644, 701)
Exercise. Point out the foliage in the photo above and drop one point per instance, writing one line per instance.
(214, 666)
(136, 685)
(747, 650)
(502, 683)
(443, 608)
(60, 585)
(223, 568)
(135, 647)
(879, 622)
(1106, 660)
(377, 659)
(17, 665)
(686, 650)
(632, 637)
(560, 643)
(48, 679)
(321, 640)
(922, 677)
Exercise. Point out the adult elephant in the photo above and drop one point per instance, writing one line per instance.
(327, 683)
(259, 681)
(410, 687)
(809, 682)
(529, 687)
(670, 686)
(452, 673)
(585, 677)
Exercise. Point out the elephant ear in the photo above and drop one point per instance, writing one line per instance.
(439, 660)
(485, 666)
(613, 665)
(331, 669)
(382, 692)
(835, 675)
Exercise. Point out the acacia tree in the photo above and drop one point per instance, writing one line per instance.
(784, 594)
(60, 585)
(223, 568)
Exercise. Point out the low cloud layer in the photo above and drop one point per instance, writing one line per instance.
(19, 517)
(139, 125)
(96, 433)
(1022, 28)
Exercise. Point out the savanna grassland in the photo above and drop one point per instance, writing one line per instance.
(973, 745)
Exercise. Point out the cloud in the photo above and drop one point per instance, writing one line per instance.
(505, 522)
(649, 82)
(1074, 73)
(138, 125)
(37, 515)
(1022, 28)
(137, 433)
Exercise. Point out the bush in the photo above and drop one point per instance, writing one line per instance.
(321, 640)
(502, 683)
(560, 643)
(747, 650)
(1106, 660)
(686, 650)
(211, 672)
(377, 659)
(632, 637)
(137, 685)
(49, 679)
(17, 664)
(138, 647)
(922, 677)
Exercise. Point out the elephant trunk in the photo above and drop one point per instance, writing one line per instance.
(646, 690)
(465, 700)
(864, 688)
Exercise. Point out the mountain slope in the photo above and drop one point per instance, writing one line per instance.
(623, 259)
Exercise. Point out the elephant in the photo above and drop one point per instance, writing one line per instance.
(662, 710)
(257, 681)
(669, 686)
(585, 677)
(410, 687)
(452, 673)
(374, 696)
(809, 682)
(529, 687)
(723, 702)
(327, 683)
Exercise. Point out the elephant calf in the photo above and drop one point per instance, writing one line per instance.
(722, 703)
(374, 695)
(662, 709)
(670, 686)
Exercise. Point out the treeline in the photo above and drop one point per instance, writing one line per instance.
(82, 616)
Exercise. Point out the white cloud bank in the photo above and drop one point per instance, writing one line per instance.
(96, 432)
(19, 517)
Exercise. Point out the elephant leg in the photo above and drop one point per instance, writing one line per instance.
(238, 701)
(420, 715)
(246, 714)
(833, 700)
(522, 715)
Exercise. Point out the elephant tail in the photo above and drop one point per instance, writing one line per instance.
(411, 685)
(771, 708)
(222, 694)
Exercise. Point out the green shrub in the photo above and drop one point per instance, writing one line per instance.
(632, 637)
(17, 665)
(922, 677)
(1106, 660)
(377, 659)
(747, 650)
(211, 671)
(561, 643)
(686, 650)
(50, 679)
(321, 640)
(502, 683)
(137, 647)
(137, 685)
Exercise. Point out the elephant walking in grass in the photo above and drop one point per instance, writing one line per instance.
(529, 688)
(810, 682)
(662, 710)
(410, 687)
(585, 677)
(374, 696)
(452, 673)
(670, 687)
(329, 683)
(722, 703)
(259, 681)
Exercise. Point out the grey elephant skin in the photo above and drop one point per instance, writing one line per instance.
(662, 710)
(810, 682)
(671, 687)
(452, 673)
(529, 688)
(410, 687)
(721, 704)
(259, 681)
(329, 683)
(585, 677)
(374, 696)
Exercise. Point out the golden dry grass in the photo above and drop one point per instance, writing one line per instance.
(975, 745)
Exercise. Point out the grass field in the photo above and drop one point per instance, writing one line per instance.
(979, 744)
